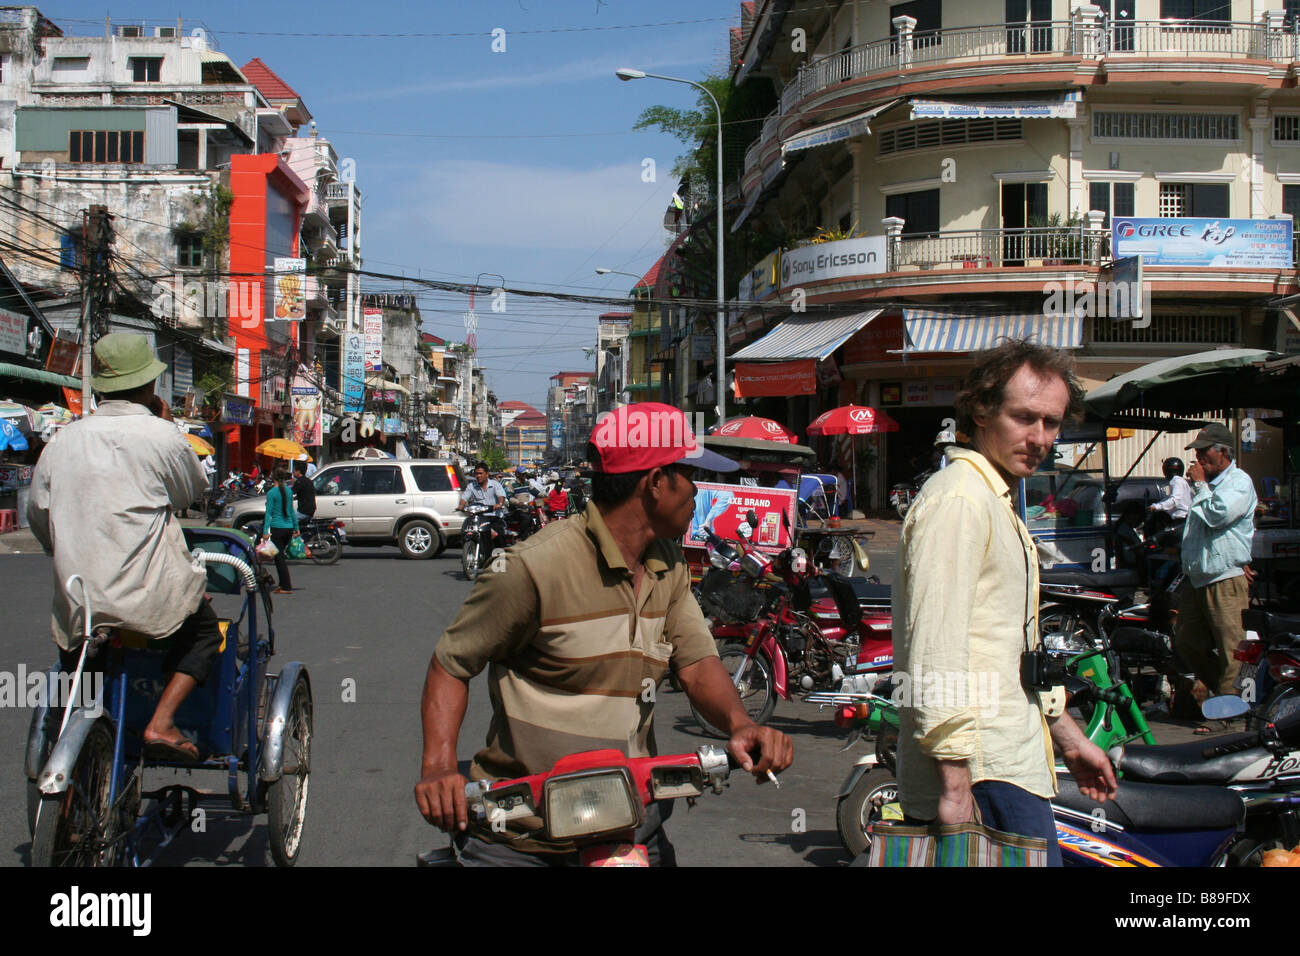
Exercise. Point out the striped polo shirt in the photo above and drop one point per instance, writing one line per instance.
(572, 653)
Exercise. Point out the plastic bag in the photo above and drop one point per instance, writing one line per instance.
(266, 549)
(297, 548)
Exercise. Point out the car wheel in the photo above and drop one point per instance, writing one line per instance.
(419, 539)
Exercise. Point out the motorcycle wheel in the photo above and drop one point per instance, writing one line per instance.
(324, 548)
(841, 559)
(469, 556)
(861, 808)
(901, 507)
(757, 694)
(1057, 617)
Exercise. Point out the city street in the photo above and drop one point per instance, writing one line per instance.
(374, 618)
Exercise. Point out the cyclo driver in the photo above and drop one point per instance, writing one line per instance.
(584, 612)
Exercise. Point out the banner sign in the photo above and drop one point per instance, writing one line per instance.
(882, 335)
(236, 410)
(373, 325)
(781, 379)
(1239, 243)
(832, 260)
(64, 357)
(723, 509)
(13, 332)
(761, 280)
(290, 289)
(393, 426)
(354, 372)
(307, 422)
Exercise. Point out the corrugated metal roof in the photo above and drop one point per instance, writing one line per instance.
(805, 336)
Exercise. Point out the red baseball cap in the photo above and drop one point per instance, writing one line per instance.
(649, 435)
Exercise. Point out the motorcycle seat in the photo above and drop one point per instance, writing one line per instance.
(871, 594)
(1188, 763)
(1150, 806)
(1135, 641)
(1104, 580)
(1269, 623)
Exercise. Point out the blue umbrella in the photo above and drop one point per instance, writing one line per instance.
(10, 437)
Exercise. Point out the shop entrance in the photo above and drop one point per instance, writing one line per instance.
(910, 450)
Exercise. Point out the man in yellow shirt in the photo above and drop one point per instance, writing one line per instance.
(965, 612)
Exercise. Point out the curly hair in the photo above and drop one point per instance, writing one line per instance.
(982, 391)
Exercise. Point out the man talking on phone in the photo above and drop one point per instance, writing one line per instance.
(103, 503)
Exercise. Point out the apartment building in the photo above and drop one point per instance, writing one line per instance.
(935, 175)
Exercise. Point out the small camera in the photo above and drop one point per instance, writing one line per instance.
(1041, 671)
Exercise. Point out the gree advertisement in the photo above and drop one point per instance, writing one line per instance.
(1240, 243)
(724, 509)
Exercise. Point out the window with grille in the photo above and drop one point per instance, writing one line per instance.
(1286, 129)
(1170, 330)
(930, 135)
(1199, 200)
(1291, 202)
(106, 146)
(146, 69)
(919, 211)
(1211, 10)
(1115, 124)
(70, 251)
(189, 251)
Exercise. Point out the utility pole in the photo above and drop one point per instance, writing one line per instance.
(96, 276)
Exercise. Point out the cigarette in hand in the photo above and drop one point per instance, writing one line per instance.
(771, 776)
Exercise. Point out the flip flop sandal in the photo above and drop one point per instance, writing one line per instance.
(179, 751)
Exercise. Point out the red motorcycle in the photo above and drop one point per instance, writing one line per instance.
(773, 635)
(596, 799)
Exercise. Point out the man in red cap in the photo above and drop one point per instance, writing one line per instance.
(577, 631)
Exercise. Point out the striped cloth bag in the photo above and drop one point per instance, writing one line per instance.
(952, 844)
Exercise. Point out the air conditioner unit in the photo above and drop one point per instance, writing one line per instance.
(166, 33)
(131, 31)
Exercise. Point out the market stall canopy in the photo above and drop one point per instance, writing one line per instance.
(201, 448)
(1201, 382)
(805, 337)
(11, 439)
(381, 384)
(852, 420)
(370, 452)
(757, 449)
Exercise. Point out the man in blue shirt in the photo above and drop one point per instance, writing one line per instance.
(1216, 554)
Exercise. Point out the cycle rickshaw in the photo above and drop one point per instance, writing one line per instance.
(85, 764)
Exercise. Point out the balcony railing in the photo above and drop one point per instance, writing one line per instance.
(1082, 37)
(1000, 248)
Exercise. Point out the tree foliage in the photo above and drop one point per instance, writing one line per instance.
(492, 455)
(695, 128)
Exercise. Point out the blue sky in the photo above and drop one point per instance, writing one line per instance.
(458, 149)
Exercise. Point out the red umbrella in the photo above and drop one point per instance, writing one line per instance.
(852, 420)
(763, 429)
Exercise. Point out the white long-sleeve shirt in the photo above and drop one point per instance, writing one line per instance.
(102, 502)
(1179, 500)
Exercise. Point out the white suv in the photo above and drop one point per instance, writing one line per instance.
(407, 502)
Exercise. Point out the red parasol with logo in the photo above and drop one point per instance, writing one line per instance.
(852, 420)
(763, 429)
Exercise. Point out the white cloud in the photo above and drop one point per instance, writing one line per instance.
(470, 203)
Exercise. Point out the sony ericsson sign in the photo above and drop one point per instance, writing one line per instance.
(1241, 243)
(832, 260)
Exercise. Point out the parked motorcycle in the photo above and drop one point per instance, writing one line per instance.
(596, 799)
(904, 493)
(773, 635)
(324, 538)
(1270, 665)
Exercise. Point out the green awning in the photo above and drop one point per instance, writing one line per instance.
(38, 375)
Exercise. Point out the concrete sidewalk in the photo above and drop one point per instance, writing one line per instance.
(22, 541)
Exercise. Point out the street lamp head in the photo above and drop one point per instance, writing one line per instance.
(626, 74)
(601, 270)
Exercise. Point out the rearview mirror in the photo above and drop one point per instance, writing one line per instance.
(1224, 707)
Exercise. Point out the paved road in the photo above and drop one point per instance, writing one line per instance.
(374, 618)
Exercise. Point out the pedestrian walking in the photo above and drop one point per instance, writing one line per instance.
(280, 523)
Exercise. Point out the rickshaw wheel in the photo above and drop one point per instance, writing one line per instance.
(76, 827)
(287, 796)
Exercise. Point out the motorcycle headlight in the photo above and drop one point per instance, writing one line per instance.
(1060, 642)
(589, 804)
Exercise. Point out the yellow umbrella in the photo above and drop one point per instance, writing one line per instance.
(283, 448)
(200, 447)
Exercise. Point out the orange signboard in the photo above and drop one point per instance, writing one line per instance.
(780, 379)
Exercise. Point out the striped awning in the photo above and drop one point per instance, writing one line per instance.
(954, 332)
(1063, 105)
(805, 337)
(834, 132)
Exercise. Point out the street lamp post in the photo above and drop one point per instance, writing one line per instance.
(720, 366)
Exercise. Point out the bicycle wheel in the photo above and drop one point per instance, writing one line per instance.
(757, 692)
(287, 797)
(77, 827)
